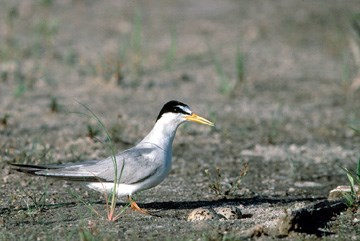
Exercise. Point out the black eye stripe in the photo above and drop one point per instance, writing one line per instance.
(178, 109)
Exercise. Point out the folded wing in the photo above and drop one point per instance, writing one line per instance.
(133, 166)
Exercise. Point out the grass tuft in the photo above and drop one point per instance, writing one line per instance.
(226, 85)
(112, 68)
(35, 202)
(352, 198)
(223, 187)
(4, 120)
(240, 68)
(92, 131)
(86, 235)
(356, 130)
(110, 202)
(54, 104)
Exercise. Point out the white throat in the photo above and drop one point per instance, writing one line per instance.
(164, 130)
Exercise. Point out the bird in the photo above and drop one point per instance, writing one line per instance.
(139, 168)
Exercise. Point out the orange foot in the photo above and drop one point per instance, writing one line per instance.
(135, 207)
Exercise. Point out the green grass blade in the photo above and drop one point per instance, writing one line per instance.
(349, 200)
(352, 183)
(357, 131)
(240, 65)
(113, 157)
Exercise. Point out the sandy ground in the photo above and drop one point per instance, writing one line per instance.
(277, 78)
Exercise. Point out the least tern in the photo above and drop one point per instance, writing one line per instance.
(139, 168)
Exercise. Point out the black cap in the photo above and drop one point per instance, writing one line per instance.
(174, 106)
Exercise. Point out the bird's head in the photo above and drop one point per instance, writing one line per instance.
(178, 112)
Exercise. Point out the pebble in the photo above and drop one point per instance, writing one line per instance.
(308, 184)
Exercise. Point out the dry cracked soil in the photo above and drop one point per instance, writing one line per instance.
(279, 78)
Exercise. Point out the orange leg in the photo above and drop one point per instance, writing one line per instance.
(135, 207)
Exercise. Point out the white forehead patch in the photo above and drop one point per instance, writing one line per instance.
(185, 109)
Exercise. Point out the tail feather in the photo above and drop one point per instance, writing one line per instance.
(56, 171)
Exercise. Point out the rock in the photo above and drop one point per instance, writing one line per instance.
(310, 219)
(229, 212)
(339, 191)
(201, 214)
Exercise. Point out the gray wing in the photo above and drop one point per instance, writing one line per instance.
(133, 165)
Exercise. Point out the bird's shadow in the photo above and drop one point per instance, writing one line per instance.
(184, 205)
(258, 200)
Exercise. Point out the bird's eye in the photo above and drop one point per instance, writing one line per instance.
(180, 109)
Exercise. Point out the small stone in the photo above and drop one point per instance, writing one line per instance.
(201, 214)
(291, 189)
(229, 212)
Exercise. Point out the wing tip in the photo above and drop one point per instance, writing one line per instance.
(26, 168)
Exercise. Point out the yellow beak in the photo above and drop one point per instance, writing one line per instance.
(199, 119)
